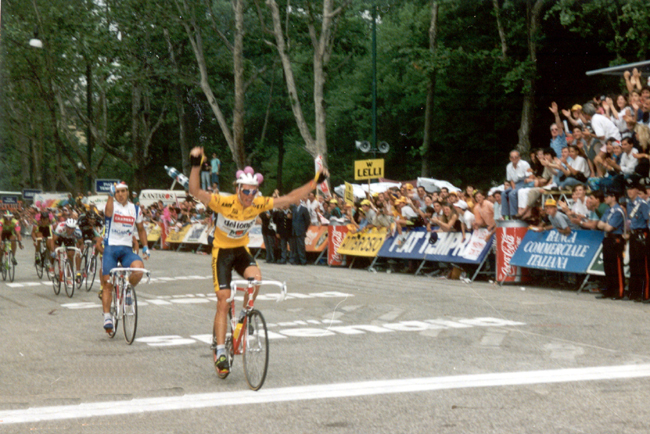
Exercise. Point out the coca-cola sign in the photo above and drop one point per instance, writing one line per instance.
(337, 234)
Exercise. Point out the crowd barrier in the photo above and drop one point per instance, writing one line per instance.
(579, 252)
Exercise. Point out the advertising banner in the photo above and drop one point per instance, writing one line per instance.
(52, 200)
(168, 197)
(153, 232)
(255, 239)
(194, 233)
(177, 236)
(99, 200)
(450, 246)
(550, 250)
(9, 202)
(29, 193)
(316, 239)
(336, 236)
(365, 244)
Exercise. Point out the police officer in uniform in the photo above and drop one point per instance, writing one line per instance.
(613, 224)
(637, 212)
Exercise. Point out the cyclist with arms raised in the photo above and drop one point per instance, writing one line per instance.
(122, 219)
(10, 230)
(236, 215)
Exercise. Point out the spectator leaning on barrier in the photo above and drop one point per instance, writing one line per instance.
(558, 220)
(313, 206)
(483, 212)
(613, 224)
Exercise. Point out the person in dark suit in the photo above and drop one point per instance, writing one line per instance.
(268, 233)
(282, 219)
(301, 222)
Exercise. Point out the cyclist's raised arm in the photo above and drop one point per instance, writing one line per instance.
(108, 210)
(196, 156)
(299, 193)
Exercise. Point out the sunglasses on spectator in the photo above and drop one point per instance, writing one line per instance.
(248, 192)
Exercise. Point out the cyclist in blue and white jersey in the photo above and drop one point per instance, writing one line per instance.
(67, 233)
(122, 219)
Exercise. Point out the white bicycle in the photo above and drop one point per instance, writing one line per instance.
(124, 305)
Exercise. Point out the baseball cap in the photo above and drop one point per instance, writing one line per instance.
(408, 186)
(550, 202)
(334, 201)
(461, 204)
(576, 107)
(366, 202)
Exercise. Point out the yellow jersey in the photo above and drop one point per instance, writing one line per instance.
(233, 221)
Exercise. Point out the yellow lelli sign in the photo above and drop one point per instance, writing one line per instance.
(368, 169)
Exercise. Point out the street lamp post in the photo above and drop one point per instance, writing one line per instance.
(374, 76)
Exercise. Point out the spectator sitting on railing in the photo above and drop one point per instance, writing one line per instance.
(602, 126)
(579, 206)
(384, 220)
(576, 171)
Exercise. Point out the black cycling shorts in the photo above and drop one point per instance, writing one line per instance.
(225, 260)
(44, 231)
(6, 235)
(68, 242)
(88, 234)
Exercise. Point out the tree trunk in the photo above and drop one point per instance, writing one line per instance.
(533, 21)
(238, 69)
(502, 33)
(180, 109)
(280, 163)
(427, 141)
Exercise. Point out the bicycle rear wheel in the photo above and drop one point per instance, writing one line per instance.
(68, 279)
(256, 350)
(90, 272)
(130, 310)
(56, 278)
(11, 267)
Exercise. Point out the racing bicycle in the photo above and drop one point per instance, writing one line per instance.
(42, 259)
(124, 305)
(7, 264)
(89, 264)
(64, 270)
(249, 337)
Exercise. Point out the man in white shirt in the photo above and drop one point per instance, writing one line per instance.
(516, 172)
(313, 206)
(602, 126)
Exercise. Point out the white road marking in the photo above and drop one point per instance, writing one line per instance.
(324, 391)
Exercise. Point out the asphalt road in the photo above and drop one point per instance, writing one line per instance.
(350, 352)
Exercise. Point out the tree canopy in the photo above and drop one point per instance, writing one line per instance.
(121, 89)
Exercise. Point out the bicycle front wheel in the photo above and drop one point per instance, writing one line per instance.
(38, 263)
(256, 350)
(11, 267)
(56, 277)
(68, 279)
(115, 313)
(90, 272)
(130, 314)
(5, 264)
